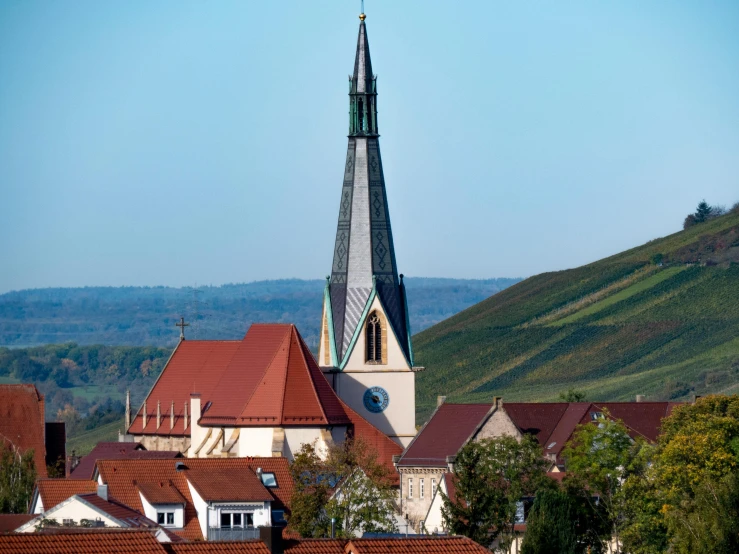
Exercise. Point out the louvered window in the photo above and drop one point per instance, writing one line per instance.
(374, 339)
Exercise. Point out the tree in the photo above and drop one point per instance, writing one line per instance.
(552, 525)
(702, 212)
(348, 485)
(573, 395)
(492, 476)
(17, 477)
(597, 458)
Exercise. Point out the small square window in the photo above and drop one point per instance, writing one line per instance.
(170, 518)
(269, 480)
(160, 518)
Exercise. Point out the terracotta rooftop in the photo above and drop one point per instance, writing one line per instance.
(131, 518)
(444, 434)
(315, 546)
(421, 544)
(221, 479)
(212, 547)
(270, 377)
(54, 491)
(117, 451)
(552, 424)
(22, 421)
(11, 522)
(97, 542)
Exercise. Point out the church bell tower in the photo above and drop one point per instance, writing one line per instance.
(365, 349)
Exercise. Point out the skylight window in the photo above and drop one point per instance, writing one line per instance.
(595, 416)
(269, 480)
(551, 445)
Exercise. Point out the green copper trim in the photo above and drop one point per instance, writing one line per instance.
(360, 324)
(329, 320)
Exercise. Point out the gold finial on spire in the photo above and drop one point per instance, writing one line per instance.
(362, 17)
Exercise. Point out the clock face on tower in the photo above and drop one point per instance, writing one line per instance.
(376, 399)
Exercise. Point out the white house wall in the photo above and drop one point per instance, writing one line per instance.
(73, 509)
(201, 508)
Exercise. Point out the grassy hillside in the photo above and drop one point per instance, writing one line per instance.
(661, 319)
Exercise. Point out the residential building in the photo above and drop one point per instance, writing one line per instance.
(48, 493)
(85, 466)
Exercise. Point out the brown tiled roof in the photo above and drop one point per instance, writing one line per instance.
(120, 511)
(117, 451)
(11, 522)
(220, 477)
(315, 546)
(22, 421)
(160, 492)
(415, 545)
(55, 491)
(444, 434)
(97, 542)
(537, 418)
(212, 547)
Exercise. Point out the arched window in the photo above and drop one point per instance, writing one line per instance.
(374, 339)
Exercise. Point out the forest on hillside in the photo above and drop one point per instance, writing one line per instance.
(145, 316)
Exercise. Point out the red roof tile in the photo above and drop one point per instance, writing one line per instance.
(22, 421)
(161, 492)
(211, 547)
(56, 491)
(96, 542)
(120, 511)
(11, 522)
(218, 477)
(315, 546)
(444, 434)
(415, 545)
(536, 418)
(219, 485)
(117, 451)
(195, 366)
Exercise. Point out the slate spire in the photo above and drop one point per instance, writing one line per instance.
(364, 256)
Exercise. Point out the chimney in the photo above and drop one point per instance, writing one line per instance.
(128, 410)
(440, 400)
(144, 415)
(497, 402)
(450, 463)
(103, 491)
(185, 412)
(641, 398)
(159, 413)
(171, 416)
(272, 538)
(194, 407)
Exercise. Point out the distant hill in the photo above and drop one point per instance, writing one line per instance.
(661, 320)
(145, 316)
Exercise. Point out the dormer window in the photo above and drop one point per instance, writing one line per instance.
(374, 339)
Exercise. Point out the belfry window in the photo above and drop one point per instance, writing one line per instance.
(374, 338)
(360, 112)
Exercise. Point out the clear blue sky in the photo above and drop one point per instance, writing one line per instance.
(176, 142)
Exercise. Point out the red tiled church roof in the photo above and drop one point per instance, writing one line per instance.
(22, 421)
(117, 451)
(56, 491)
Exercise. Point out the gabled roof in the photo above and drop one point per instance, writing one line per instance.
(269, 378)
(221, 479)
(551, 423)
(55, 491)
(117, 451)
(444, 434)
(420, 544)
(96, 542)
(22, 421)
(127, 516)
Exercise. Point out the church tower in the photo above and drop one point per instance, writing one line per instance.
(365, 347)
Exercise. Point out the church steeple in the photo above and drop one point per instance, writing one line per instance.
(362, 89)
(364, 264)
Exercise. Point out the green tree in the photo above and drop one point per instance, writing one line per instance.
(492, 478)
(347, 484)
(573, 395)
(702, 212)
(552, 525)
(597, 459)
(17, 477)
